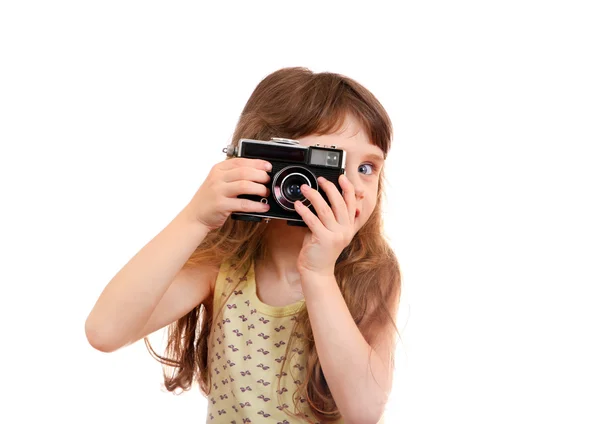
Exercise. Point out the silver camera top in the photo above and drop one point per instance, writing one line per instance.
(290, 141)
(231, 150)
(284, 140)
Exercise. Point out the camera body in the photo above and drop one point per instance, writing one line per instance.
(293, 165)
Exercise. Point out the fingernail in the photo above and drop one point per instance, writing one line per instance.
(268, 166)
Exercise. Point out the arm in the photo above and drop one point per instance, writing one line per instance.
(360, 382)
(123, 312)
(152, 290)
(358, 374)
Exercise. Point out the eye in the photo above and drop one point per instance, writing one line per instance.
(367, 168)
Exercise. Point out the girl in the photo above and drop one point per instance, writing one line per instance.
(276, 323)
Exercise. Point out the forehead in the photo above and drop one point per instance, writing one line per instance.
(350, 137)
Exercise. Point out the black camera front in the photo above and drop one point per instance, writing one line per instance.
(293, 166)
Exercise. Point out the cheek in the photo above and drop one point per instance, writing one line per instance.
(368, 206)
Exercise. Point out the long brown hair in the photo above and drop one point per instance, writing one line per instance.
(292, 103)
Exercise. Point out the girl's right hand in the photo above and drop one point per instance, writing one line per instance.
(217, 198)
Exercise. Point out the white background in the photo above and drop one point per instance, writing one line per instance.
(111, 114)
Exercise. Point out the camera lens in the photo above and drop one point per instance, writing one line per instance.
(291, 187)
(287, 183)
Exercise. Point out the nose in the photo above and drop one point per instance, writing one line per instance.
(359, 191)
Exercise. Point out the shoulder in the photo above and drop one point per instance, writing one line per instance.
(229, 277)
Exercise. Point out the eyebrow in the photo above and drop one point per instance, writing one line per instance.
(374, 156)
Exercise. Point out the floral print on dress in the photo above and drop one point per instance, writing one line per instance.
(248, 352)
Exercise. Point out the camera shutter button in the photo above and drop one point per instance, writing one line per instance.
(284, 140)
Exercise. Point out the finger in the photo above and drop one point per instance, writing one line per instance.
(338, 205)
(251, 163)
(310, 219)
(245, 205)
(236, 188)
(323, 210)
(246, 173)
(349, 196)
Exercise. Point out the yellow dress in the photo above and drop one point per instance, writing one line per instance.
(248, 347)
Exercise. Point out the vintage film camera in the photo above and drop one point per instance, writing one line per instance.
(293, 165)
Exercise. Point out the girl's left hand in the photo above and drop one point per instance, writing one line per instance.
(331, 231)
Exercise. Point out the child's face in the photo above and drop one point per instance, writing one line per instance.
(363, 164)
